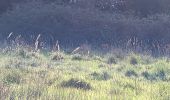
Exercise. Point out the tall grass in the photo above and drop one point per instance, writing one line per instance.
(39, 76)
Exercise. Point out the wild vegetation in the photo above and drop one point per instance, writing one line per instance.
(42, 75)
(84, 49)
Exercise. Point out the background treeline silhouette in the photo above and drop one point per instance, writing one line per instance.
(73, 22)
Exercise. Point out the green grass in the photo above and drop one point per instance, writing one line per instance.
(25, 75)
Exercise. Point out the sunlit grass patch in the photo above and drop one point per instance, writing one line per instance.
(41, 77)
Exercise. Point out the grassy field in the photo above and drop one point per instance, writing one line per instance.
(28, 75)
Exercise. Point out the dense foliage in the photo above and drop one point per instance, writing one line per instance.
(92, 21)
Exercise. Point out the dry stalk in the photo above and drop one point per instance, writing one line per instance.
(37, 42)
(76, 50)
(56, 47)
(10, 34)
(84, 49)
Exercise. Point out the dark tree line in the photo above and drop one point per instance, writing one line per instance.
(92, 21)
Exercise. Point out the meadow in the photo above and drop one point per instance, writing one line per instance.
(59, 75)
(110, 50)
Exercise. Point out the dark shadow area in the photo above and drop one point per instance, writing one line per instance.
(136, 24)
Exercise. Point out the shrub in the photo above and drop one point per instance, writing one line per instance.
(111, 60)
(106, 76)
(101, 76)
(131, 73)
(148, 76)
(12, 78)
(76, 83)
(133, 61)
(161, 74)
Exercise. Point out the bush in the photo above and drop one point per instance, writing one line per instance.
(148, 76)
(12, 78)
(101, 76)
(76, 83)
(161, 74)
(133, 61)
(111, 60)
(106, 76)
(131, 73)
